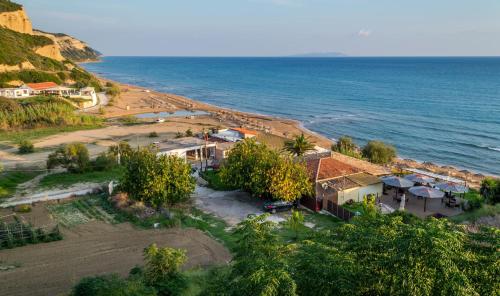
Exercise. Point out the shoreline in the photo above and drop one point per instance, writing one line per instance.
(283, 127)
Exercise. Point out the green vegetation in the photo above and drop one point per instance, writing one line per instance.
(264, 172)
(73, 157)
(490, 189)
(295, 222)
(161, 275)
(28, 76)
(26, 147)
(373, 255)
(18, 47)
(18, 234)
(10, 180)
(472, 216)
(299, 146)
(40, 112)
(153, 135)
(379, 152)
(80, 211)
(129, 120)
(84, 78)
(65, 179)
(189, 133)
(156, 180)
(346, 146)
(112, 90)
(214, 181)
(8, 6)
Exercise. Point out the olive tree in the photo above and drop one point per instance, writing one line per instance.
(74, 157)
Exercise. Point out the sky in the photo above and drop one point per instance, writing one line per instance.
(276, 27)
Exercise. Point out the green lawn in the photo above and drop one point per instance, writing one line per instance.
(214, 181)
(33, 134)
(10, 180)
(68, 179)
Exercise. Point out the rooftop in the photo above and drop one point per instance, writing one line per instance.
(329, 168)
(183, 143)
(364, 179)
(362, 165)
(42, 85)
(244, 131)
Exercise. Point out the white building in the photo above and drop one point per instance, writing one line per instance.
(15, 93)
(234, 134)
(189, 148)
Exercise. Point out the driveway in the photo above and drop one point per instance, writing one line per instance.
(231, 206)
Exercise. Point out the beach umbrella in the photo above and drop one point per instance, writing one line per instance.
(397, 182)
(426, 192)
(452, 187)
(419, 179)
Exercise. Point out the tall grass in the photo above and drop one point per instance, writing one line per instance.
(44, 115)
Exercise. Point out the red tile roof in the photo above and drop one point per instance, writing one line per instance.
(42, 85)
(329, 168)
(244, 131)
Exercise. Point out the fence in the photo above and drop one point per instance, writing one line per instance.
(19, 234)
(339, 211)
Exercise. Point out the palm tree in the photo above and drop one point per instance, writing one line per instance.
(299, 145)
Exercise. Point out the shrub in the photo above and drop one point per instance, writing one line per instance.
(9, 105)
(189, 133)
(73, 157)
(111, 285)
(104, 162)
(129, 120)
(346, 146)
(153, 135)
(26, 147)
(113, 90)
(490, 189)
(179, 135)
(23, 209)
(379, 152)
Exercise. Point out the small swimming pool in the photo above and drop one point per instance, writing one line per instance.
(167, 114)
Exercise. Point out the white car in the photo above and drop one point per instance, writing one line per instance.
(160, 120)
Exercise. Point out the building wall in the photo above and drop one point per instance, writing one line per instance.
(356, 194)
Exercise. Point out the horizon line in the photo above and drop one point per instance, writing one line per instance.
(306, 57)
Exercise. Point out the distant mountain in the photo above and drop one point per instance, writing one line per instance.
(320, 55)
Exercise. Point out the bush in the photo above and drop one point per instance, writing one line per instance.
(379, 152)
(189, 133)
(179, 135)
(73, 157)
(111, 285)
(26, 147)
(23, 209)
(153, 135)
(490, 189)
(104, 162)
(346, 146)
(129, 120)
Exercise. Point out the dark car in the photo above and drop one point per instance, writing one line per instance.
(276, 206)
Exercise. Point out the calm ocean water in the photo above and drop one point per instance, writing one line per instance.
(443, 110)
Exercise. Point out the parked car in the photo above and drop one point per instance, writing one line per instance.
(160, 120)
(277, 206)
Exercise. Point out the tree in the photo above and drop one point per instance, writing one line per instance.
(346, 146)
(295, 221)
(299, 145)
(379, 152)
(157, 180)
(73, 157)
(288, 180)
(162, 269)
(263, 172)
(120, 151)
(162, 263)
(189, 133)
(490, 189)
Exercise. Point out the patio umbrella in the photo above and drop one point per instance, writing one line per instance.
(426, 192)
(419, 179)
(397, 182)
(452, 187)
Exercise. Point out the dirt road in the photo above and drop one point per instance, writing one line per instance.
(97, 248)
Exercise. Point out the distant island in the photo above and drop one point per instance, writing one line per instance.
(320, 55)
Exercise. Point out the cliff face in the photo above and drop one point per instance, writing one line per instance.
(50, 51)
(16, 21)
(71, 48)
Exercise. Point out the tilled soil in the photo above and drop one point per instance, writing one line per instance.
(97, 248)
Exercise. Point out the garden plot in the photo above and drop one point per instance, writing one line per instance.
(80, 211)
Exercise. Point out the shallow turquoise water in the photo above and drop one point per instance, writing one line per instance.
(443, 110)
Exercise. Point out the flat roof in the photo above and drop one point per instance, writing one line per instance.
(183, 143)
(364, 179)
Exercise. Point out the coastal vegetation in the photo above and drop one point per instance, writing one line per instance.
(379, 152)
(263, 172)
(39, 112)
(26, 147)
(346, 146)
(8, 6)
(490, 189)
(299, 146)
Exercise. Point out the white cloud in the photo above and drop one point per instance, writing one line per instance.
(364, 33)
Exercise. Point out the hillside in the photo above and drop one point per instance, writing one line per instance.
(28, 55)
(71, 48)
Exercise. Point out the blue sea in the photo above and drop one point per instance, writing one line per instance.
(442, 110)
